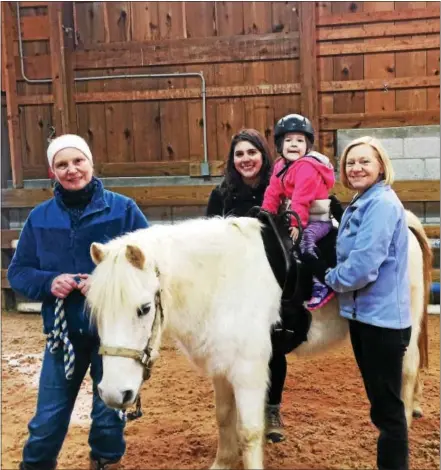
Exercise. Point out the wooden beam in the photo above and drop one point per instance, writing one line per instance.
(4, 279)
(62, 45)
(308, 63)
(8, 236)
(188, 195)
(11, 94)
(176, 168)
(369, 47)
(239, 91)
(35, 28)
(243, 48)
(435, 275)
(365, 31)
(432, 12)
(216, 49)
(330, 122)
(432, 231)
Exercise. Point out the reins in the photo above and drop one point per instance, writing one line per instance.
(144, 356)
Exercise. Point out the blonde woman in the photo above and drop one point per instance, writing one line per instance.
(372, 282)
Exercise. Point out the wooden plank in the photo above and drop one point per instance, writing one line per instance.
(238, 91)
(285, 17)
(386, 119)
(370, 47)
(380, 16)
(213, 51)
(191, 51)
(62, 44)
(432, 231)
(35, 28)
(144, 168)
(410, 64)
(4, 281)
(308, 63)
(380, 65)
(91, 23)
(433, 95)
(8, 236)
(11, 94)
(154, 196)
(435, 275)
(33, 4)
(118, 21)
(379, 30)
(144, 21)
(171, 20)
(146, 121)
(217, 168)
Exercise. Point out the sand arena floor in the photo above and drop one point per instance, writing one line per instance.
(325, 411)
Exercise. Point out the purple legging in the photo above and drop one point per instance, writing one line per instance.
(312, 233)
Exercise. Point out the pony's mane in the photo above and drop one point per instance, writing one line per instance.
(116, 283)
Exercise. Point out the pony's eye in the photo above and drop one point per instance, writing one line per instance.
(143, 310)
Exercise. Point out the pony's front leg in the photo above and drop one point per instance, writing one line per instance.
(250, 402)
(227, 449)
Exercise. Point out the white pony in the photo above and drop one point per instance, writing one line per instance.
(209, 283)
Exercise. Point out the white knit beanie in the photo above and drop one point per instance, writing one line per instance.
(67, 141)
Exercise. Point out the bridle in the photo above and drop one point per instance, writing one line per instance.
(143, 356)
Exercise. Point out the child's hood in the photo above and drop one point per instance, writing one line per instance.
(322, 164)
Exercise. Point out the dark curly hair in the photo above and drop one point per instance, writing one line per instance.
(233, 182)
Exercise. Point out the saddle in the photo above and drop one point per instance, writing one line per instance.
(293, 275)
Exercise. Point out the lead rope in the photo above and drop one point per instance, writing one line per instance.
(59, 335)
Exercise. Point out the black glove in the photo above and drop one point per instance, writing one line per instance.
(317, 265)
(336, 208)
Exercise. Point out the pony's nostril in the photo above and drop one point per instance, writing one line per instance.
(127, 396)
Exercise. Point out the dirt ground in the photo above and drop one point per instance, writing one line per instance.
(325, 411)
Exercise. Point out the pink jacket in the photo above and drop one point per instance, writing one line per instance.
(305, 181)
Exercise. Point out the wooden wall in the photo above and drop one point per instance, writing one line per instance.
(377, 66)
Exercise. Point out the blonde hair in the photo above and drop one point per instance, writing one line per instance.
(382, 156)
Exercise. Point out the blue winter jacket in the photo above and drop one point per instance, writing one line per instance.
(50, 246)
(371, 276)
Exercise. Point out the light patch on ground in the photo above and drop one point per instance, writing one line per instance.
(29, 366)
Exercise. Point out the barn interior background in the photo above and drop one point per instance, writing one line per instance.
(350, 66)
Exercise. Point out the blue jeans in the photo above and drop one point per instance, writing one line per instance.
(56, 399)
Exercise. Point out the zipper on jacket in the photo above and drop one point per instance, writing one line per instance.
(354, 310)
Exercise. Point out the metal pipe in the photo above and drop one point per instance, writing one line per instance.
(205, 171)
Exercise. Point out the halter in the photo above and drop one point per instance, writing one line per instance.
(143, 356)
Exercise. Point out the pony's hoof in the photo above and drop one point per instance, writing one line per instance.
(417, 413)
(275, 437)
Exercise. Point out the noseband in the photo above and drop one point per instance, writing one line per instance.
(144, 356)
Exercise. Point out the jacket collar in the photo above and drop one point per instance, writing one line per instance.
(374, 189)
(97, 204)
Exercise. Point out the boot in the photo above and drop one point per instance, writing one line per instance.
(37, 466)
(273, 424)
(104, 464)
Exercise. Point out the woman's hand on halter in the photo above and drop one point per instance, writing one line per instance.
(63, 285)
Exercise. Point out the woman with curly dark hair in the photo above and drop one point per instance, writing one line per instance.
(247, 175)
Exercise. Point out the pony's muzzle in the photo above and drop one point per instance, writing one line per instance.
(119, 399)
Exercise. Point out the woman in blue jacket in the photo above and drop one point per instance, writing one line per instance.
(52, 262)
(372, 281)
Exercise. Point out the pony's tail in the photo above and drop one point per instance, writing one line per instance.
(417, 229)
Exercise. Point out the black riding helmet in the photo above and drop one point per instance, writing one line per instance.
(292, 123)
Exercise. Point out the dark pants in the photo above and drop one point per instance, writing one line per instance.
(379, 353)
(56, 399)
(277, 368)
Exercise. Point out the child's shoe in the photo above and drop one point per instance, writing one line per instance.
(321, 295)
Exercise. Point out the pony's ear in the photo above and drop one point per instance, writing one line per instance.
(135, 256)
(97, 252)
